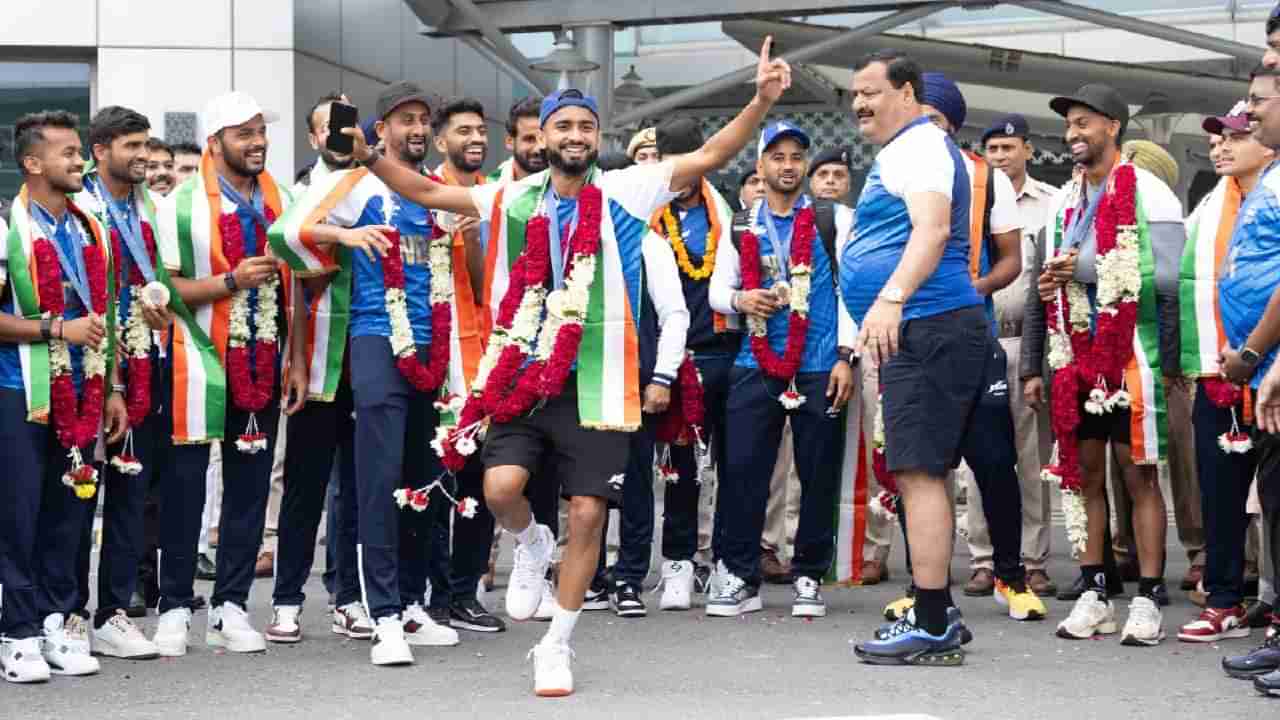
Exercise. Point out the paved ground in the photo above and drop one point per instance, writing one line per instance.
(671, 665)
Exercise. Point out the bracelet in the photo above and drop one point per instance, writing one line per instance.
(229, 279)
(118, 388)
(733, 300)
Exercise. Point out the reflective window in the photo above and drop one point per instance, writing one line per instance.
(32, 87)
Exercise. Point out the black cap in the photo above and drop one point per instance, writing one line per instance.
(1273, 20)
(838, 155)
(397, 94)
(750, 173)
(679, 136)
(1097, 97)
(1012, 125)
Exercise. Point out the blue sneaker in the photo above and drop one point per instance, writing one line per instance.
(907, 644)
(953, 617)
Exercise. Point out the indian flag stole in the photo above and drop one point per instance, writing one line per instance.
(329, 318)
(1208, 236)
(852, 508)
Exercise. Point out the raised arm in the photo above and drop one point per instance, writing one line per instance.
(773, 77)
(412, 185)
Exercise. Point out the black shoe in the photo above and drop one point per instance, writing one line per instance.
(198, 603)
(1160, 594)
(470, 615)
(1258, 614)
(626, 601)
(137, 606)
(205, 568)
(597, 597)
(701, 579)
(1115, 589)
(439, 616)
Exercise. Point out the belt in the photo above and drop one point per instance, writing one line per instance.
(1010, 328)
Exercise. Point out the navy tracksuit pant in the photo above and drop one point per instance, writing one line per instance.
(41, 523)
(394, 427)
(752, 434)
(680, 502)
(468, 555)
(319, 433)
(1224, 491)
(635, 536)
(246, 482)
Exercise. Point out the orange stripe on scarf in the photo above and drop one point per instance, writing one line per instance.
(321, 211)
(1226, 224)
(496, 236)
(631, 373)
(977, 214)
(1137, 409)
(469, 325)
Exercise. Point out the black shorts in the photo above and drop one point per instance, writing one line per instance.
(552, 445)
(1112, 427)
(931, 387)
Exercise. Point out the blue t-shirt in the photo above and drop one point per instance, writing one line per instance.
(920, 158)
(368, 298)
(71, 236)
(820, 340)
(1251, 271)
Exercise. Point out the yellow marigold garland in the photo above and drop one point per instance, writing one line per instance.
(682, 253)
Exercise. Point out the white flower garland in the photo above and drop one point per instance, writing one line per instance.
(264, 315)
(440, 260)
(136, 335)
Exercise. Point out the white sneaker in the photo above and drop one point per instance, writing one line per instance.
(352, 620)
(285, 626)
(548, 604)
(552, 671)
(807, 600)
(524, 591)
(229, 628)
(677, 586)
(171, 632)
(421, 630)
(1144, 627)
(389, 646)
(1091, 615)
(119, 637)
(66, 646)
(22, 662)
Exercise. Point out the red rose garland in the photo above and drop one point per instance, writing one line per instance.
(250, 391)
(423, 377)
(138, 392)
(784, 367)
(682, 422)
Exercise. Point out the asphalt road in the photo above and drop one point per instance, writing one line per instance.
(675, 665)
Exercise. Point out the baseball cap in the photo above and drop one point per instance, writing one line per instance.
(679, 136)
(776, 131)
(1236, 120)
(397, 94)
(232, 109)
(837, 155)
(1097, 97)
(1012, 125)
(570, 97)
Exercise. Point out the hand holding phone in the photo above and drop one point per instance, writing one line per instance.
(341, 115)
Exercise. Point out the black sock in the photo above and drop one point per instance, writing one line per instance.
(1147, 587)
(931, 610)
(1095, 578)
(949, 601)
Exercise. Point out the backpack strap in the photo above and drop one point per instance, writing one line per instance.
(824, 212)
(740, 225)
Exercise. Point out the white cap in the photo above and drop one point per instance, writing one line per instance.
(231, 109)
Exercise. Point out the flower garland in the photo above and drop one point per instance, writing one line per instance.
(419, 499)
(682, 423)
(76, 420)
(1227, 395)
(796, 292)
(514, 372)
(1083, 359)
(676, 237)
(886, 501)
(136, 339)
(250, 389)
(424, 378)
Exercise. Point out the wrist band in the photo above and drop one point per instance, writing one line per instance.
(46, 327)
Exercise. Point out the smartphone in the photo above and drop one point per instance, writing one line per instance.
(341, 115)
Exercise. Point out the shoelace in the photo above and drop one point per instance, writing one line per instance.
(730, 586)
(901, 627)
(806, 589)
(560, 652)
(1082, 611)
(121, 623)
(1145, 612)
(526, 572)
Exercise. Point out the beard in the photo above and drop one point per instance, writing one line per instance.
(335, 161)
(569, 167)
(780, 186)
(531, 162)
(240, 165)
(410, 156)
(458, 159)
(124, 174)
(68, 183)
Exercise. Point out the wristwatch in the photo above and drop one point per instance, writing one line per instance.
(1250, 357)
(848, 355)
(229, 279)
(46, 327)
(893, 294)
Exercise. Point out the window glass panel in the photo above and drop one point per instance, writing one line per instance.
(32, 87)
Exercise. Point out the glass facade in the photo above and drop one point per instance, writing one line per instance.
(27, 87)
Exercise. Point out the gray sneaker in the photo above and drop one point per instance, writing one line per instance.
(732, 596)
(807, 601)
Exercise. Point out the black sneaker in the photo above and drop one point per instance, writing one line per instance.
(205, 568)
(597, 597)
(701, 579)
(137, 606)
(440, 616)
(626, 601)
(470, 615)
(1258, 614)
(1115, 589)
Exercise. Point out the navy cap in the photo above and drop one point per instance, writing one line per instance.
(839, 155)
(750, 173)
(561, 99)
(1273, 20)
(1013, 125)
(773, 132)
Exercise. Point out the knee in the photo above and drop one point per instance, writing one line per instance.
(502, 489)
(586, 516)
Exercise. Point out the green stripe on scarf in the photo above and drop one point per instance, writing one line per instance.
(339, 322)
(215, 393)
(591, 351)
(1148, 330)
(1189, 353)
(28, 307)
(517, 223)
(186, 192)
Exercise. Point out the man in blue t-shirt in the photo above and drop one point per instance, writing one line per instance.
(762, 395)
(905, 280)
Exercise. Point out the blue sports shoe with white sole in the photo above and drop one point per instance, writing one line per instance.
(906, 644)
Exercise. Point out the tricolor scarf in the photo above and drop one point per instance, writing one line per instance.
(608, 358)
(853, 508)
(330, 311)
(200, 337)
(1148, 422)
(466, 345)
(720, 219)
(978, 214)
(1208, 236)
(22, 271)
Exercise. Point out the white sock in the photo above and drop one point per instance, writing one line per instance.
(528, 535)
(562, 623)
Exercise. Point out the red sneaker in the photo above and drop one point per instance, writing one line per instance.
(1215, 624)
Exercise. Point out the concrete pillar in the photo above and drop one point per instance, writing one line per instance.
(595, 42)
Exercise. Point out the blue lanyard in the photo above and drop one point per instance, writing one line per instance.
(256, 208)
(552, 201)
(130, 228)
(780, 246)
(72, 267)
(1079, 230)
